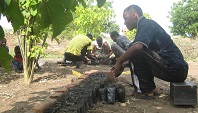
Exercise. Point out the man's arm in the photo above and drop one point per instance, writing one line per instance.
(89, 55)
(94, 48)
(132, 51)
(108, 49)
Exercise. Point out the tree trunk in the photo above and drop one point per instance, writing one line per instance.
(27, 79)
(28, 62)
(29, 71)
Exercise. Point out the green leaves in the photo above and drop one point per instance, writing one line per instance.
(61, 23)
(13, 12)
(101, 3)
(8, 2)
(58, 13)
(184, 17)
(92, 19)
(2, 6)
(53, 12)
(2, 35)
(70, 5)
(5, 59)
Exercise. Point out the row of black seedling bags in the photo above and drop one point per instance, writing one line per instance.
(82, 97)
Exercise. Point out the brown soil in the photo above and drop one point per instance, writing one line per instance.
(17, 97)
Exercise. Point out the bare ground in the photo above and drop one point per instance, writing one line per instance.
(17, 97)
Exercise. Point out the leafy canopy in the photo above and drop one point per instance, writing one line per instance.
(91, 19)
(32, 18)
(184, 18)
(53, 13)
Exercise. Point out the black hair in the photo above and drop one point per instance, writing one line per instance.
(99, 38)
(17, 50)
(131, 8)
(99, 41)
(114, 34)
(90, 36)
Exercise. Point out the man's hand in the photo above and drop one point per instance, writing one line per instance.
(117, 69)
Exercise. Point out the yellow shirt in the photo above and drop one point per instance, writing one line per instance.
(78, 43)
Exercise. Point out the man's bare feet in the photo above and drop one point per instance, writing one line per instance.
(150, 95)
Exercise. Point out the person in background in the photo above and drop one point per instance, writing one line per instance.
(121, 43)
(119, 47)
(79, 48)
(152, 53)
(101, 47)
(18, 60)
(3, 43)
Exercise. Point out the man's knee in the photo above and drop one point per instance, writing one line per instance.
(117, 50)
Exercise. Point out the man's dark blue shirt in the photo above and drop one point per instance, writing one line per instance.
(154, 37)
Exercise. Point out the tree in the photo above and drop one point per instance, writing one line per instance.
(184, 18)
(112, 26)
(32, 20)
(92, 19)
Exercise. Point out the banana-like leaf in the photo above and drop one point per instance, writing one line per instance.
(13, 12)
(2, 35)
(2, 6)
(5, 59)
(53, 12)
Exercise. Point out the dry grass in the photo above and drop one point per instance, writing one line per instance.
(188, 47)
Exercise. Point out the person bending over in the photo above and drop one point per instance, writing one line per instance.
(79, 47)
